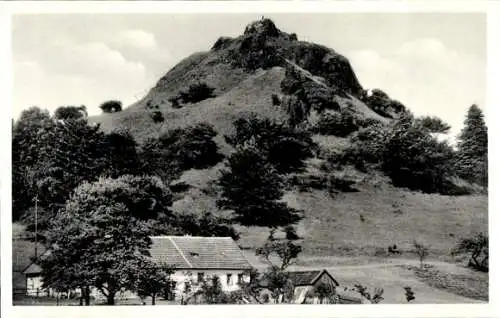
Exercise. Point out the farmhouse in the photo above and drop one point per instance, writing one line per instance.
(197, 258)
(193, 258)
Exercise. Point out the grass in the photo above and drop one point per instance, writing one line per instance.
(472, 284)
(333, 227)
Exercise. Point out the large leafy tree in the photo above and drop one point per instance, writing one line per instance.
(101, 238)
(413, 158)
(75, 153)
(30, 147)
(284, 146)
(252, 188)
(472, 152)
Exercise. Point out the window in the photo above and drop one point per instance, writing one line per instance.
(200, 277)
(229, 279)
(240, 278)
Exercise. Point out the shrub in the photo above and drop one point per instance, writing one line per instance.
(157, 116)
(196, 93)
(70, 112)
(276, 100)
(111, 106)
(175, 101)
(337, 124)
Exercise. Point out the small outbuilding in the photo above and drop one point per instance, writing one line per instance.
(306, 282)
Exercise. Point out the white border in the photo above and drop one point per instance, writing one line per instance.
(7, 9)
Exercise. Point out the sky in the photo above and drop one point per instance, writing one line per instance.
(434, 63)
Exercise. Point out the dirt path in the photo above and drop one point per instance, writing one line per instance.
(389, 275)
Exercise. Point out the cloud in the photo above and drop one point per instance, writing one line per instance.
(136, 38)
(426, 76)
(66, 73)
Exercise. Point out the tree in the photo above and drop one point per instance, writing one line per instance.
(472, 153)
(324, 291)
(477, 247)
(374, 298)
(111, 106)
(76, 153)
(178, 150)
(101, 237)
(206, 224)
(422, 251)
(433, 124)
(211, 289)
(286, 251)
(70, 112)
(121, 154)
(414, 159)
(153, 280)
(30, 152)
(252, 188)
(278, 283)
(284, 146)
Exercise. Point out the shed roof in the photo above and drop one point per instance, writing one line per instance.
(301, 278)
(184, 252)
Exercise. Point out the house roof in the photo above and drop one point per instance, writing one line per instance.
(184, 252)
(23, 252)
(301, 278)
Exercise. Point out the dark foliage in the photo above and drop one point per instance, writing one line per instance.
(477, 247)
(275, 100)
(70, 112)
(338, 124)
(157, 116)
(196, 93)
(206, 225)
(251, 187)
(383, 105)
(283, 146)
(121, 154)
(472, 153)
(433, 124)
(179, 150)
(111, 106)
(416, 160)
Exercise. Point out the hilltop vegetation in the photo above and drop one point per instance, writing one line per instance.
(260, 136)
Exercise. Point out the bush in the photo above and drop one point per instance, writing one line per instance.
(337, 124)
(111, 106)
(157, 116)
(276, 100)
(196, 93)
(175, 101)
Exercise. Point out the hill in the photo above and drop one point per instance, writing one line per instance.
(270, 73)
(245, 72)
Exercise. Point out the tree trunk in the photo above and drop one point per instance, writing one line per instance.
(86, 295)
(153, 299)
(110, 299)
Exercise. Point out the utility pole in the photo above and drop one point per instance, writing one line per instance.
(36, 227)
